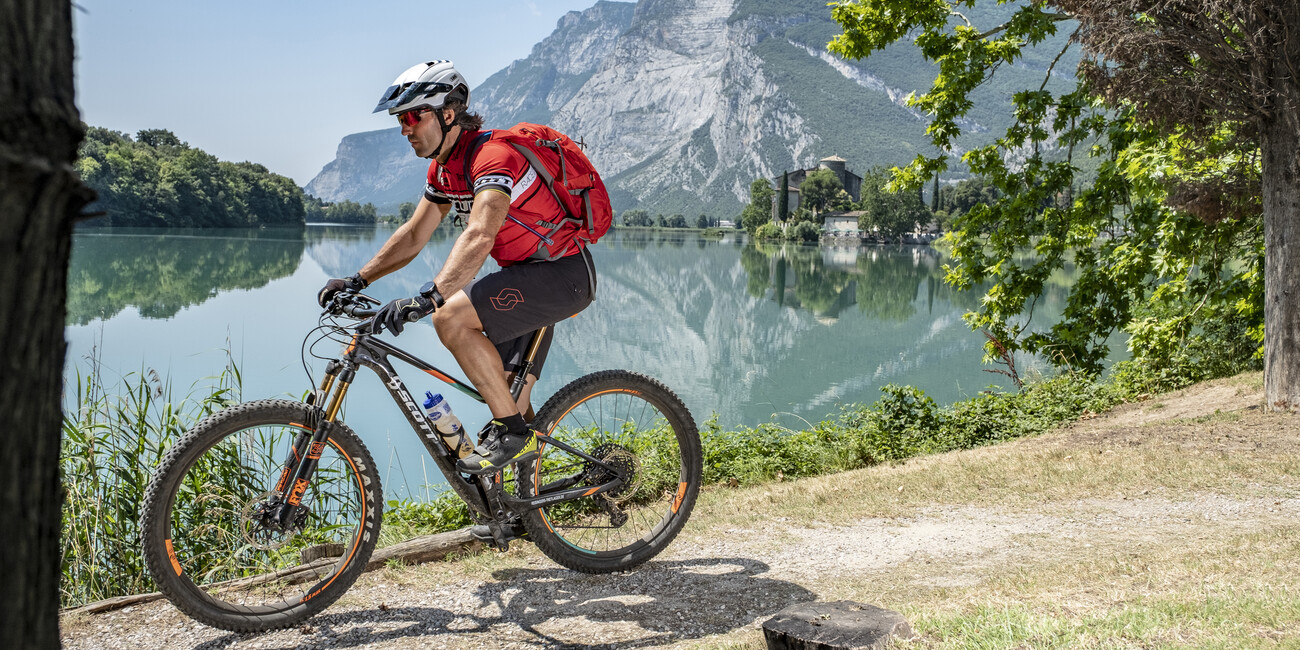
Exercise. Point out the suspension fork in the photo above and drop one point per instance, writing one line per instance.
(304, 456)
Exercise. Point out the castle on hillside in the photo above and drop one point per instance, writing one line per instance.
(852, 182)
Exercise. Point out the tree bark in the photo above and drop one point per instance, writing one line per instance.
(1280, 150)
(40, 197)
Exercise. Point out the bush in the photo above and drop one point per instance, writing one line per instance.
(804, 231)
(768, 230)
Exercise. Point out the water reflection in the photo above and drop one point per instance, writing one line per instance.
(882, 282)
(160, 272)
(741, 330)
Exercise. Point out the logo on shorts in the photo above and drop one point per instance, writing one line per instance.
(507, 299)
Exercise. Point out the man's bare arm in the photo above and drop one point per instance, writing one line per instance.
(407, 241)
(473, 245)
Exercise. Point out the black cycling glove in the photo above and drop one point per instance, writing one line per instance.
(353, 284)
(396, 314)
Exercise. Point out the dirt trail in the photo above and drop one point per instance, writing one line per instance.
(729, 571)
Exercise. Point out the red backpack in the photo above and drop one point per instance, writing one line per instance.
(567, 173)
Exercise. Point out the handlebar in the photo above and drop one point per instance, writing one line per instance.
(356, 305)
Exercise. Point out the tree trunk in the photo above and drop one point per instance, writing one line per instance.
(40, 197)
(1280, 147)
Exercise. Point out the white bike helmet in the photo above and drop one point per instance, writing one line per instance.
(424, 85)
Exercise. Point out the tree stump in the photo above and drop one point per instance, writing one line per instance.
(841, 625)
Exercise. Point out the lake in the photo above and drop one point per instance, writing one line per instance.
(747, 333)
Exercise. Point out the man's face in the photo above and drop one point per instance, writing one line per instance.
(425, 135)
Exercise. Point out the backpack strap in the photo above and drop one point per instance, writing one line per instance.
(470, 152)
(548, 180)
(536, 164)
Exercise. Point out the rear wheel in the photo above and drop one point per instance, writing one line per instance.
(639, 429)
(211, 537)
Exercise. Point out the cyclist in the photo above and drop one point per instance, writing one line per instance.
(485, 323)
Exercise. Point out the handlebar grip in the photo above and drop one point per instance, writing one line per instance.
(356, 311)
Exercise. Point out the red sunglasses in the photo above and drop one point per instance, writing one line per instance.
(412, 117)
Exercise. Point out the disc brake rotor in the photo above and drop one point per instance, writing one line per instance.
(256, 528)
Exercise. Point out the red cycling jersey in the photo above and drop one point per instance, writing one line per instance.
(497, 166)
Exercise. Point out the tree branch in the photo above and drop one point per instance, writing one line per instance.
(1068, 43)
(1058, 17)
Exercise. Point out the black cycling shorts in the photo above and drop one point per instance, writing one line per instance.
(517, 300)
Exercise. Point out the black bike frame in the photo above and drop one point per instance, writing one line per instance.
(372, 353)
(366, 351)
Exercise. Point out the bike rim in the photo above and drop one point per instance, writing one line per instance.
(629, 430)
(220, 551)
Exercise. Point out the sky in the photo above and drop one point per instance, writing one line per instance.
(281, 82)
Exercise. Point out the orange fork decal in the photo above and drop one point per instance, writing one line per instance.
(299, 487)
(284, 480)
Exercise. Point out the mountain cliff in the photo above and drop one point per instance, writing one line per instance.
(682, 103)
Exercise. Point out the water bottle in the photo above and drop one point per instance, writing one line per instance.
(447, 424)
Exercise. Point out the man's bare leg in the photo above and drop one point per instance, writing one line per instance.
(460, 330)
(525, 406)
(508, 439)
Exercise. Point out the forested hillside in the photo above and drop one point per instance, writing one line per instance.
(156, 179)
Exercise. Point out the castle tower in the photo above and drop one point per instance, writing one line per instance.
(835, 164)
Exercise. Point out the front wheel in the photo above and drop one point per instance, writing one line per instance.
(629, 422)
(212, 538)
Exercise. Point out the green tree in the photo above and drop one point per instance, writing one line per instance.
(702, 221)
(804, 231)
(783, 199)
(637, 218)
(157, 180)
(759, 210)
(889, 214)
(675, 221)
(350, 212)
(842, 201)
(768, 230)
(158, 138)
(819, 189)
(1192, 112)
(405, 211)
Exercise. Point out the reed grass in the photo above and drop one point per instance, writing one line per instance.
(114, 436)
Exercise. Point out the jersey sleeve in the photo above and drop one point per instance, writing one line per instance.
(497, 167)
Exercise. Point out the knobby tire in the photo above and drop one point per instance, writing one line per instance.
(631, 421)
(203, 541)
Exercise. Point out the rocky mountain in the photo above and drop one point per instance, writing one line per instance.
(682, 103)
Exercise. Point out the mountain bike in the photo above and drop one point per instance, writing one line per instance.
(266, 512)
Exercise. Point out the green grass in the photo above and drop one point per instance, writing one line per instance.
(113, 438)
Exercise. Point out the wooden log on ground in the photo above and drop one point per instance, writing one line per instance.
(841, 625)
(427, 548)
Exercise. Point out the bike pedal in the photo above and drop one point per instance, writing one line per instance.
(483, 533)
